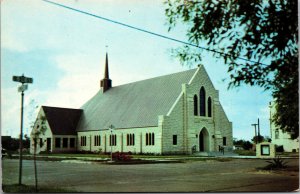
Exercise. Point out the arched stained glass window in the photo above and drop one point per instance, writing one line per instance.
(209, 111)
(195, 105)
(202, 101)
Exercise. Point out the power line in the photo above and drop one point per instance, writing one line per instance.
(148, 32)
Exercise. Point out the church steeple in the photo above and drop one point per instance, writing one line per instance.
(105, 83)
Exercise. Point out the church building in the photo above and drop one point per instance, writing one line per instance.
(178, 113)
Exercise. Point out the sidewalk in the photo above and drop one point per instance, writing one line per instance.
(166, 158)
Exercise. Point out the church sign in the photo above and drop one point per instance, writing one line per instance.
(265, 150)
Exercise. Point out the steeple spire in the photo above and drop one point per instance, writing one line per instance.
(105, 83)
(106, 75)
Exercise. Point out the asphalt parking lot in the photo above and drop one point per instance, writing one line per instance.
(236, 175)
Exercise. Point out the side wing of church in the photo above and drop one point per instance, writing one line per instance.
(178, 113)
(281, 138)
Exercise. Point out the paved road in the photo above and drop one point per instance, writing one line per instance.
(197, 176)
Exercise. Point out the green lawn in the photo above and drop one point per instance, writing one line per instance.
(245, 152)
(31, 189)
(76, 155)
(108, 155)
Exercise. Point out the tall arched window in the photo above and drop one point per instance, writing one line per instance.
(147, 139)
(152, 139)
(209, 107)
(195, 105)
(202, 101)
(132, 139)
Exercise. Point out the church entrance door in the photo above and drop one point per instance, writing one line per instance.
(203, 141)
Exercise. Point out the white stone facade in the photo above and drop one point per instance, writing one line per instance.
(137, 145)
(281, 138)
(182, 122)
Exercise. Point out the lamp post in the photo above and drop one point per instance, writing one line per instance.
(25, 81)
(111, 128)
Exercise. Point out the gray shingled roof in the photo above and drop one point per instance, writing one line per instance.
(62, 121)
(136, 104)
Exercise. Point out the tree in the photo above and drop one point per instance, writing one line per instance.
(258, 41)
(37, 131)
(258, 139)
(247, 145)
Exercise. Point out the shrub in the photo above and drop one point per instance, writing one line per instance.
(276, 163)
(121, 156)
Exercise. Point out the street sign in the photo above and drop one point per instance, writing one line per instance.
(22, 88)
(25, 81)
(22, 79)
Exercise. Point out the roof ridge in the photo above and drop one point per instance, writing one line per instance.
(152, 78)
(60, 107)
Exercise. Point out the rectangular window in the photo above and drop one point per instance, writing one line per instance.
(83, 140)
(65, 142)
(130, 139)
(97, 140)
(150, 139)
(224, 141)
(57, 142)
(153, 138)
(72, 142)
(113, 140)
(174, 139)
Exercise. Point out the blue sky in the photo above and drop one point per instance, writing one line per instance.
(64, 52)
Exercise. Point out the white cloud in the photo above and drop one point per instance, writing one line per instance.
(79, 82)
(10, 111)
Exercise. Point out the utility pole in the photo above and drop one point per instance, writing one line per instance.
(22, 79)
(255, 136)
(258, 130)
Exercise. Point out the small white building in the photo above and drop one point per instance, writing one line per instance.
(178, 113)
(281, 138)
(58, 130)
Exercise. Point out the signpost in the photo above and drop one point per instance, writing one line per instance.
(24, 80)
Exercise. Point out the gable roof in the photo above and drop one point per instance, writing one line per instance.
(132, 105)
(62, 121)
